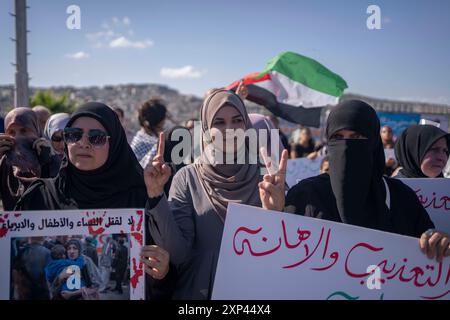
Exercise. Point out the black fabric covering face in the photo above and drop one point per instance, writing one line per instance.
(353, 191)
(119, 183)
(356, 166)
(413, 144)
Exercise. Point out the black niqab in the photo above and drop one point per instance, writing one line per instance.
(356, 166)
(353, 191)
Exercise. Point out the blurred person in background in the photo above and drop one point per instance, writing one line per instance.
(152, 118)
(422, 152)
(42, 114)
(54, 131)
(24, 155)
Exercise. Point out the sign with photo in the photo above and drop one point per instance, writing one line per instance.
(72, 254)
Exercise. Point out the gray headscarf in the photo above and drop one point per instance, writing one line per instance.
(55, 123)
(261, 122)
(224, 183)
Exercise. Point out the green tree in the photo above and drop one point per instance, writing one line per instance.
(55, 103)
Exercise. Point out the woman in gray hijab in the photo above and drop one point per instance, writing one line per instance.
(189, 224)
(54, 131)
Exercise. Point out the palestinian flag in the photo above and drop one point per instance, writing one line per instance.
(294, 87)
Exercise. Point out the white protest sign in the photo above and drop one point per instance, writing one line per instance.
(301, 168)
(274, 255)
(389, 154)
(434, 194)
(27, 239)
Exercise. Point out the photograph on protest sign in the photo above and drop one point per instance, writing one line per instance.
(72, 255)
(70, 268)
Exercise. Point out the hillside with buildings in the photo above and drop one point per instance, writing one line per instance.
(183, 107)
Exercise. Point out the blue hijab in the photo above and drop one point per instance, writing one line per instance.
(55, 267)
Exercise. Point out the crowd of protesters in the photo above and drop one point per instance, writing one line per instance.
(87, 160)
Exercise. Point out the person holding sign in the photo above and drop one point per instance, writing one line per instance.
(354, 190)
(99, 171)
(422, 152)
(189, 224)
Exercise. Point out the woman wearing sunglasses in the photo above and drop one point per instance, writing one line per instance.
(54, 131)
(99, 170)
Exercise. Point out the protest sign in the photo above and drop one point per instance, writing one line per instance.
(434, 194)
(301, 168)
(46, 254)
(389, 154)
(274, 255)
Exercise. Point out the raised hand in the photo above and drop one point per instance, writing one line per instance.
(242, 90)
(271, 189)
(157, 172)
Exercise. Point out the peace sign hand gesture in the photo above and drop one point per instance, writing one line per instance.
(271, 189)
(157, 173)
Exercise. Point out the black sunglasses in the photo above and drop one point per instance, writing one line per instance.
(96, 137)
(57, 138)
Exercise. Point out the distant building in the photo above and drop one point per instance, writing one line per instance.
(385, 105)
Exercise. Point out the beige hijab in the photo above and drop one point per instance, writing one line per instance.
(224, 183)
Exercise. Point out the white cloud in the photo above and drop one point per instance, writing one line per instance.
(117, 33)
(78, 55)
(100, 35)
(123, 42)
(183, 72)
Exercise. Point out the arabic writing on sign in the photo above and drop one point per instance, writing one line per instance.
(8, 224)
(434, 202)
(315, 247)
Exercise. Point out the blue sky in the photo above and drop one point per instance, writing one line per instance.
(195, 45)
